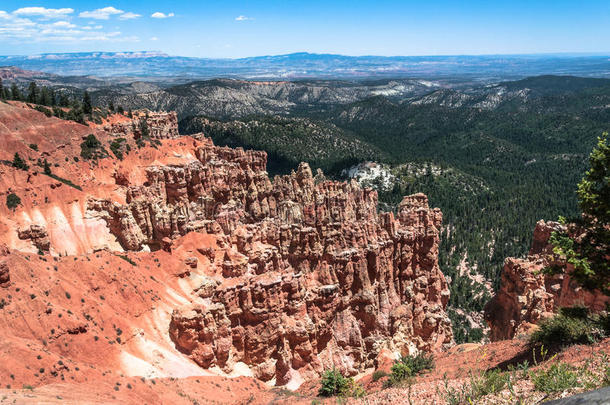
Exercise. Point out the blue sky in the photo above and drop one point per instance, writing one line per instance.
(229, 28)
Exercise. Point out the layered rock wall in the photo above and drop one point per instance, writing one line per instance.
(161, 125)
(308, 274)
(286, 277)
(527, 295)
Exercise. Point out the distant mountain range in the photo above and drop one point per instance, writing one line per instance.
(157, 65)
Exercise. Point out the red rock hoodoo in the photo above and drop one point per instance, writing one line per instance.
(527, 295)
(311, 276)
(278, 279)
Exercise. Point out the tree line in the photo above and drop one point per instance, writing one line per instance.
(62, 105)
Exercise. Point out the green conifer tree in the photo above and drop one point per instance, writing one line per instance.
(15, 93)
(87, 107)
(19, 163)
(590, 252)
(32, 93)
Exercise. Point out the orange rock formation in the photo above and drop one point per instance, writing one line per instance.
(527, 295)
(204, 264)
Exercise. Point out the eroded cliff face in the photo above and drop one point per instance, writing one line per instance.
(161, 124)
(277, 278)
(310, 276)
(527, 295)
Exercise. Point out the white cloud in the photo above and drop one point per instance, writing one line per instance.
(243, 18)
(101, 13)
(92, 27)
(154, 39)
(52, 31)
(63, 24)
(43, 12)
(15, 27)
(159, 14)
(129, 16)
(18, 29)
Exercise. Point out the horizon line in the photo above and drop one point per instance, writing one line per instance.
(165, 54)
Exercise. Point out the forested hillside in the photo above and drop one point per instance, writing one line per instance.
(289, 141)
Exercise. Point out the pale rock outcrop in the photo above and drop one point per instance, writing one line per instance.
(38, 235)
(161, 125)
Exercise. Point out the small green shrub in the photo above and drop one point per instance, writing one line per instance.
(603, 322)
(44, 110)
(353, 389)
(127, 259)
(335, 384)
(606, 379)
(379, 374)
(558, 377)
(400, 372)
(92, 149)
(520, 370)
(419, 363)
(409, 366)
(12, 201)
(33, 146)
(490, 382)
(570, 326)
(575, 312)
(115, 147)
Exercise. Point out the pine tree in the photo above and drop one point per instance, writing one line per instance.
(47, 168)
(15, 93)
(45, 97)
(590, 252)
(594, 189)
(64, 100)
(32, 93)
(144, 131)
(19, 163)
(87, 108)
